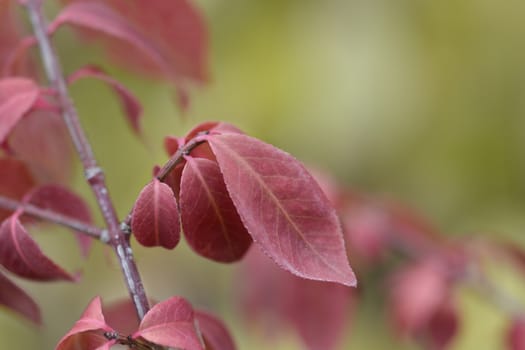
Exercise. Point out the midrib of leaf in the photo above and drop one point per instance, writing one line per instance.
(250, 170)
(214, 204)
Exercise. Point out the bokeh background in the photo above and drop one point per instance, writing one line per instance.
(418, 100)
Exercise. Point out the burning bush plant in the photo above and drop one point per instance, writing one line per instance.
(233, 197)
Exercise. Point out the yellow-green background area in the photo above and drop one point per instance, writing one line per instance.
(420, 100)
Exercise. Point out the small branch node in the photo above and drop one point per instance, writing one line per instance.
(92, 172)
(104, 236)
(125, 228)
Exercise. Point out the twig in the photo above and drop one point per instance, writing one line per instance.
(93, 174)
(51, 216)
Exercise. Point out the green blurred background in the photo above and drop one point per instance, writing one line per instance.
(418, 100)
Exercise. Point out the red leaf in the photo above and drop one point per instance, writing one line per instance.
(20, 254)
(318, 311)
(174, 28)
(130, 103)
(87, 333)
(17, 96)
(122, 315)
(367, 229)
(166, 39)
(443, 326)
(516, 334)
(216, 335)
(210, 221)
(283, 208)
(42, 141)
(16, 299)
(170, 323)
(100, 17)
(65, 202)
(417, 293)
(155, 216)
(9, 39)
(15, 181)
(172, 144)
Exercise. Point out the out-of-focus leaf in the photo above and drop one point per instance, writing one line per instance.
(319, 312)
(17, 96)
(14, 298)
(166, 39)
(416, 294)
(87, 333)
(283, 208)
(216, 335)
(155, 216)
(516, 334)
(61, 200)
(42, 141)
(210, 221)
(130, 104)
(15, 181)
(170, 323)
(9, 39)
(20, 254)
(122, 316)
(443, 326)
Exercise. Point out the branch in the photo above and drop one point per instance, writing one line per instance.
(51, 216)
(175, 159)
(93, 173)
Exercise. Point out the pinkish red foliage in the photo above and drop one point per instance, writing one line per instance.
(15, 181)
(166, 39)
(21, 255)
(87, 333)
(210, 221)
(9, 39)
(283, 208)
(130, 104)
(17, 96)
(170, 323)
(214, 332)
(319, 312)
(417, 293)
(516, 334)
(155, 216)
(16, 299)
(61, 200)
(41, 140)
(442, 327)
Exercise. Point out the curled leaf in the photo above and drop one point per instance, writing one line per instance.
(283, 208)
(210, 221)
(16, 299)
(155, 216)
(17, 96)
(166, 39)
(20, 254)
(170, 323)
(88, 331)
(129, 102)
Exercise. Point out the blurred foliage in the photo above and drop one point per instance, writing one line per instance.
(418, 100)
